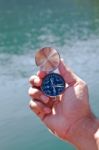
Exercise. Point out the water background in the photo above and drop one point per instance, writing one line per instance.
(72, 27)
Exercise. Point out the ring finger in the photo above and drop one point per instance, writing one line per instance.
(39, 109)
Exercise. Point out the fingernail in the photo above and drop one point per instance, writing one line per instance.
(47, 110)
(36, 81)
(44, 98)
(32, 104)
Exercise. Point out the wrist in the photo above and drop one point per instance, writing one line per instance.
(83, 133)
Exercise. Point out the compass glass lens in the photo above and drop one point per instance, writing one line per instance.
(47, 59)
(53, 84)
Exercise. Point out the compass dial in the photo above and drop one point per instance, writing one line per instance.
(53, 84)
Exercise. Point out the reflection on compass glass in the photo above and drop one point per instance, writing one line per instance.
(47, 59)
(53, 84)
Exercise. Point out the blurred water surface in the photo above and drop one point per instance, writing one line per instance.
(72, 27)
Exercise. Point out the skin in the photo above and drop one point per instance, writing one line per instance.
(69, 117)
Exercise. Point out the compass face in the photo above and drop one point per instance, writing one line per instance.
(53, 85)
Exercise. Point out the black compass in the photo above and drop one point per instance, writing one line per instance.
(53, 84)
(48, 60)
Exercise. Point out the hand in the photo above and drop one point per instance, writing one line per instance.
(69, 108)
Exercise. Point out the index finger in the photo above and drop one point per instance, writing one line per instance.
(36, 80)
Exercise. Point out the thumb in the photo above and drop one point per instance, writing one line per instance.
(69, 76)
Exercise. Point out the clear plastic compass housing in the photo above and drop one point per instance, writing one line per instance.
(48, 59)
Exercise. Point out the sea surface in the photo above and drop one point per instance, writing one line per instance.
(72, 27)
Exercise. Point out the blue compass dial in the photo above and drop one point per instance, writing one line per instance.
(53, 84)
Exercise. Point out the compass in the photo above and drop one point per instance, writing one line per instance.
(48, 60)
(53, 84)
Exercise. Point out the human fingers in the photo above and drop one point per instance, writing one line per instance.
(35, 81)
(39, 109)
(37, 94)
(70, 77)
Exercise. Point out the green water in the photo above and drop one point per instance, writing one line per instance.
(72, 26)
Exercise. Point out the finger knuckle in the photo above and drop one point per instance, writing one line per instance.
(31, 79)
(30, 104)
(37, 81)
(33, 105)
(33, 92)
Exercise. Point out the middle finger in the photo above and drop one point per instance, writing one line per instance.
(37, 94)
